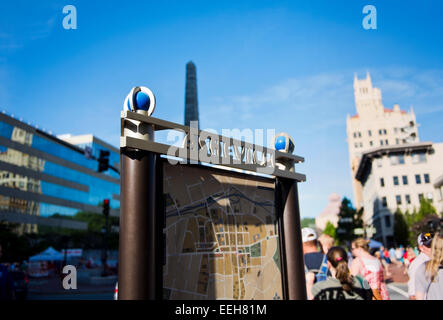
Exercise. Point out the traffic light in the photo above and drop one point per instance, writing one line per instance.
(103, 161)
(106, 207)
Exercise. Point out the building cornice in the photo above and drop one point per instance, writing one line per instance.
(367, 156)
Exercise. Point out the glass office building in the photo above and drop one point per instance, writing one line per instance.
(41, 175)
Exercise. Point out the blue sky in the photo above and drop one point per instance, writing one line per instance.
(283, 65)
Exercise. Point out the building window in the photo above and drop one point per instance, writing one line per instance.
(386, 142)
(395, 181)
(417, 179)
(395, 130)
(418, 157)
(382, 182)
(370, 133)
(405, 180)
(397, 141)
(397, 159)
(384, 131)
(398, 199)
(429, 196)
(388, 221)
(356, 145)
(371, 143)
(381, 142)
(361, 144)
(420, 197)
(408, 199)
(359, 134)
(355, 134)
(426, 176)
(401, 159)
(379, 162)
(384, 202)
(380, 132)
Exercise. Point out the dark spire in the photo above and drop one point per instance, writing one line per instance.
(191, 101)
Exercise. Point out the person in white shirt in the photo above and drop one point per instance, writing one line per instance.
(424, 242)
(429, 275)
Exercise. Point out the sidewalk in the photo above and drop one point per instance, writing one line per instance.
(398, 274)
(53, 286)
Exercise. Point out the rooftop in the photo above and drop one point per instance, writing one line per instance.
(386, 111)
(367, 156)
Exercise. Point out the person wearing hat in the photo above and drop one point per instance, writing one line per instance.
(429, 275)
(316, 265)
(424, 241)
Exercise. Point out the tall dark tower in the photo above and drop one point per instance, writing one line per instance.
(191, 102)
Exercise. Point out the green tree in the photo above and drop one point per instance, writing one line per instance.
(349, 219)
(426, 208)
(92, 238)
(15, 247)
(401, 229)
(358, 219)
(330, 230)
(308, 222)
(418, 219)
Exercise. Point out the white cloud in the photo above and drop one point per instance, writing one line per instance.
(320, 99)
(422, 89)
(31, 32)
(42, 29)
(436, 109)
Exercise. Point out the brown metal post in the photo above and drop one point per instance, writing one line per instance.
(138, 247)
(295, 283)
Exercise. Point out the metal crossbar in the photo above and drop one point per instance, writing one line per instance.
(245, 156)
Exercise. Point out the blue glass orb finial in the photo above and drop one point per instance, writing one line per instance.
(280, 143)
(284, 143)
(142, 100)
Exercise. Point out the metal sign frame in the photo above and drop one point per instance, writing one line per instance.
(141, 251)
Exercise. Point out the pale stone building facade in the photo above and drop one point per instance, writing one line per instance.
(438, 185)
(375, 126)
(329, 213)
(399, 176)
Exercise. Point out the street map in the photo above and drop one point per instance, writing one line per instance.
(221, 235)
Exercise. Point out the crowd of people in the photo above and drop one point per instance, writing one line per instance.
(334, 273)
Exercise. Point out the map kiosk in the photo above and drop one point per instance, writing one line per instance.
(214, 218)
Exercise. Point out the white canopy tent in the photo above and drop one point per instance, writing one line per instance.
(49, 254)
